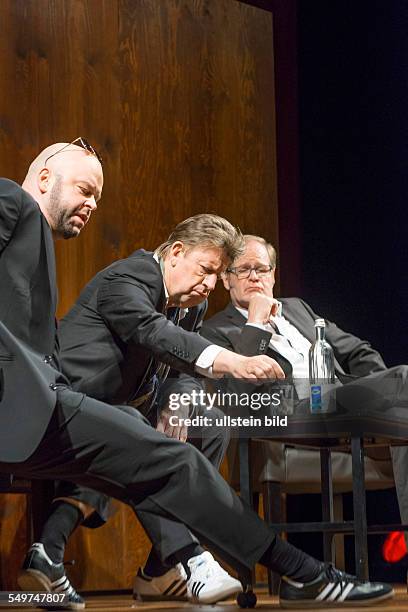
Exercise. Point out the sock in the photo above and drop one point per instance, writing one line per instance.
(184, 554)
(154, 566)
(287, 560)
(62, 521)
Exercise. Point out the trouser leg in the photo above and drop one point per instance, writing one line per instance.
(212, 440)
(103, 449)
(93, 499)
(168, 536)
(386, 393)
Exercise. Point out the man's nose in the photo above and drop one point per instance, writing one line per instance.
(253, 274)
(210, 281)
(91, 203)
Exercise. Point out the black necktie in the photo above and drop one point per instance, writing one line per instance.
(173, 314)
(157, 373)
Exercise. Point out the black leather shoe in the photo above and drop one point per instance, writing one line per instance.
(331, 589)
(39, 573)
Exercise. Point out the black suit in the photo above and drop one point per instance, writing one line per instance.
(354, 359)
(91, 443)
(27, 307)
(110, 350)
(116, 332)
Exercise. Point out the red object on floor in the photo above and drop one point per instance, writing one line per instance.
(394, 547)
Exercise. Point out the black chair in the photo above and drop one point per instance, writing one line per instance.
(327, 466)
(40, 494)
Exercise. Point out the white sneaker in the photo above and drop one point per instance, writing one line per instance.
(208, 582)
(171, 586)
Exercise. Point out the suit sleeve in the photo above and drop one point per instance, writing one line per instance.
(127, 301)
(247, 340)
(10, 210)
(356, 356)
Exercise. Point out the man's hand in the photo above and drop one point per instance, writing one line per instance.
(261, 307)
(239, 366)
(178, 432)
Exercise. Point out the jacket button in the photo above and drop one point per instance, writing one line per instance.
(48, 358)
(53, 386)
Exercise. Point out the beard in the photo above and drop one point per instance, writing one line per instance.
(60, 213)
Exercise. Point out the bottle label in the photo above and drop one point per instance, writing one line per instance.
(315, 398)
(322, 398)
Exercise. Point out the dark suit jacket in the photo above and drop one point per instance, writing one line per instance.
(353, 357)
(27, 269)
(114, 335)
(27, 315)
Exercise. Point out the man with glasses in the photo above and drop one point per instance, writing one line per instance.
(48, 430)
(256, 323)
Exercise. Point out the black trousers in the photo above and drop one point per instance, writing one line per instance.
(167, 535)
(105, 449)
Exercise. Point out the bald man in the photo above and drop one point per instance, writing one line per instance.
(71, 179)
(60, 191)
(49, 431)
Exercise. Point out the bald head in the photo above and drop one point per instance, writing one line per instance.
(66, 181)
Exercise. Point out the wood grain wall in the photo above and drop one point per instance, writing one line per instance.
(178, 96)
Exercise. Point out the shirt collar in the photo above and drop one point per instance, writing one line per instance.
(183, 311)
(159, 261)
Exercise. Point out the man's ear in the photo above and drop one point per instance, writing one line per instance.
(225, 280)
(273, 276)
(176, 250)
(44, 180)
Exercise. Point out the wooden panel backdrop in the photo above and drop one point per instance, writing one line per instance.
(178, 96)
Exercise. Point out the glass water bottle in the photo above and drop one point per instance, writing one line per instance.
(321, 371)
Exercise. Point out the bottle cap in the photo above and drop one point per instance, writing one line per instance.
(320, 323)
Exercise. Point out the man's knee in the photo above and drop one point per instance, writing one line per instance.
(401, 370)
(221, 431)
(213, 423)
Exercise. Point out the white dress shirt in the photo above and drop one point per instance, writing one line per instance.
(291, 344)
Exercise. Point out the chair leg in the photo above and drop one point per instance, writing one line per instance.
(42, 493)
(247, 577)
(255, 501)
(340, 559)
(272, 503)
(359, 507)
(327, 502)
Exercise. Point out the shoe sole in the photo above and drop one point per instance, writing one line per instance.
(213, 599)
(210, 600)
(313, 604)
(34, 580)
(159, 598)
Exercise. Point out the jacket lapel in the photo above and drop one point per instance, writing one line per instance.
(52, 275)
